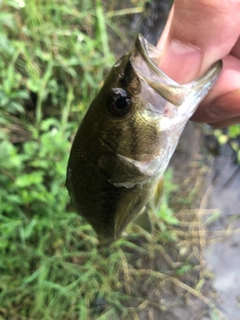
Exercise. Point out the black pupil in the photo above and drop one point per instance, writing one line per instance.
(121, 102)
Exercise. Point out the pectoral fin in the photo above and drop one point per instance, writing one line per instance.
(143, 220)
(156, 200)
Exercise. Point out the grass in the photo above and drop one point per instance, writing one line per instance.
(54, 56)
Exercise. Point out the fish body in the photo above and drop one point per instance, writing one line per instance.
(127, 138)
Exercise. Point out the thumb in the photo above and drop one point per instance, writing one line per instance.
(197, 34)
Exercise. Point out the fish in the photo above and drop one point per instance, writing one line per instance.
(126, 139)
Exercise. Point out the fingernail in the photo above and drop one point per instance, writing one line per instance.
(181, 62)
(227, 105)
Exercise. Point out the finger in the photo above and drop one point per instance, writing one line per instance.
(165, 32)
(223, 101)
(201, 33)
(226, 123)
(236, 49)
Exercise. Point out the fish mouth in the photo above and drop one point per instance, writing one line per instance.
(145, 58)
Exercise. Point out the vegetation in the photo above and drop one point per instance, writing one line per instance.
(54, 56)
(231, 136)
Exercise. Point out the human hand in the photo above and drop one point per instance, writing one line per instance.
(197, 34)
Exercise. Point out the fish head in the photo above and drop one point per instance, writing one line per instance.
(140, 112)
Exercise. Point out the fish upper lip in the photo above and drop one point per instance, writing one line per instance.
(144, 53)
(158, 80)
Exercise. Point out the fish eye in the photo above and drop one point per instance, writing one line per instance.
(119, 102)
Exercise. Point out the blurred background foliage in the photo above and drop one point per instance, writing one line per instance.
(54, 56)
(230, 136)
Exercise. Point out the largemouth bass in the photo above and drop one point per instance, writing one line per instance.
(127, 137)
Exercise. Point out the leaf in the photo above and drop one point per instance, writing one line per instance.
(223, 139)
(26, 180)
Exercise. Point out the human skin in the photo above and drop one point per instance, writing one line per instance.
(197, 34)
